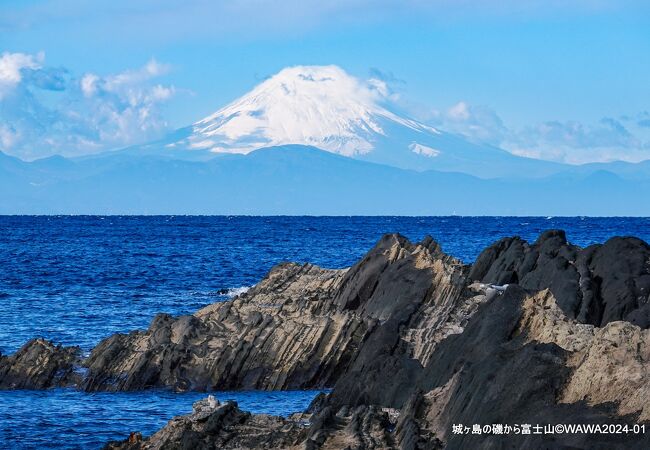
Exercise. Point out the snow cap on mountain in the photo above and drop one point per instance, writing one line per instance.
(321, 106)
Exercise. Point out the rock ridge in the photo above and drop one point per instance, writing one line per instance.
(410, 340)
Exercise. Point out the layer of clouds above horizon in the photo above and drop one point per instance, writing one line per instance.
(46, 110)
(79, 78)
(625, 138)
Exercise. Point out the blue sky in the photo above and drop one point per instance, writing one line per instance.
(559, 80)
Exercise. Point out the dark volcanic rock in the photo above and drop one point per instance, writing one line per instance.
(596, 285)
(40, 364)
(493, 373)
(298, 328)
(519, 360)
(412, 342)
(285, 333)
(215, 425)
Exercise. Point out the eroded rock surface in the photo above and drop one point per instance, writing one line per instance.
(214, 425)
(40, 364)
(412, 341)
(496, 372)
(301, 327)
(596, 285)
(285, 333)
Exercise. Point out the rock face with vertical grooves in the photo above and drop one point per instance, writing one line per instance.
(301, 327)
(596, 285)
(40, 364)
(283, 334)
(411, 341)
(214, 425)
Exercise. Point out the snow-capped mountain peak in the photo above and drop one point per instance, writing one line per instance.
(322, 106)
(325, 107)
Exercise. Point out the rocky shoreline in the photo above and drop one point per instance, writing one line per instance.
(410, 340)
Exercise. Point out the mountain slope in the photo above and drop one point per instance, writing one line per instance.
(324, 107)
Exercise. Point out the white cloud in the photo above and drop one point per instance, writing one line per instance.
(94, 112)
(8, 136)
(626, 138)
(152, 69)
(160, 93)
(575, 142)
(89, 84)
(86, 114)
(460, 112)
(475, 122)
(11, 69)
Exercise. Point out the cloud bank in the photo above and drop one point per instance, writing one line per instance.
(624, 138)
(47, 110)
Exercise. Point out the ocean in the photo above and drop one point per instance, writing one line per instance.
(78, 279)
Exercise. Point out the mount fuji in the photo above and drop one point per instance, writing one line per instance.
(317, 141)
(324, 107)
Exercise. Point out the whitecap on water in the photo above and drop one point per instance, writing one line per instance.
(234, 292)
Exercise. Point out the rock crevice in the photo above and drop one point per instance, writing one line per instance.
(411, 341)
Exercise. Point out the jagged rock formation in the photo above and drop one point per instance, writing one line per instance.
(608, 364)
(284, 333)
(40, 364)
(219, 425)
(412, 342)
(496, 372)
(299, 328)
(224, 426)
(596, 285)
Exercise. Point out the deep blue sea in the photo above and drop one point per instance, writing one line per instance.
(76, 280)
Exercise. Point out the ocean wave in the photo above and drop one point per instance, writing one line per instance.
(225, 292)
(234, 292)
